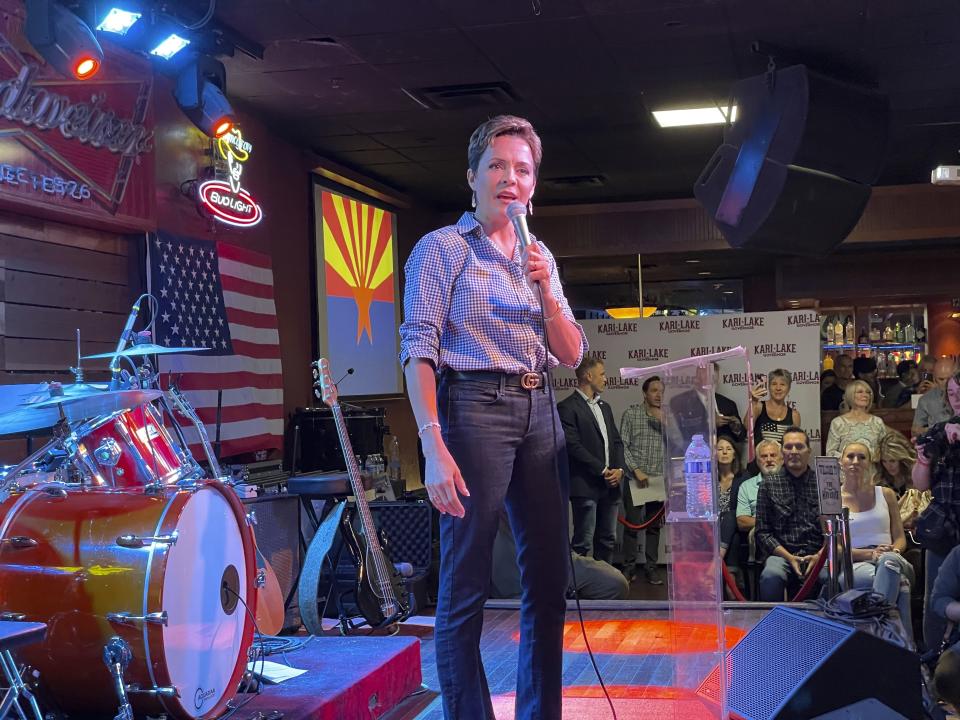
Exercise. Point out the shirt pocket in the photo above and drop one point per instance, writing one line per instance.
(474, 393)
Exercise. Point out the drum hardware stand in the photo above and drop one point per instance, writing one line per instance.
(125, 618)
(15, 634)
(186, 409)
(136, 541)
(117, 657)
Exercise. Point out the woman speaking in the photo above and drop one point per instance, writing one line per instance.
(477, 308)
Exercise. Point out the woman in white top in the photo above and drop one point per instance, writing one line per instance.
(876, 532)
(857, 424)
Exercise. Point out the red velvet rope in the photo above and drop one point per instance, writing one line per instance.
(731, 583)
(627, 524)
(812, 577)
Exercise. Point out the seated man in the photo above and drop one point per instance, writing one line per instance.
(945, 602)
(595, 579)
(788, 520)
(770, 460)
(898, 394)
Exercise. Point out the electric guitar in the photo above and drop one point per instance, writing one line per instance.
(379, 591)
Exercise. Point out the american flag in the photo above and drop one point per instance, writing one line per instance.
(220, 296)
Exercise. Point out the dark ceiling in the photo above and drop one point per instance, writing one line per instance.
(350, 80)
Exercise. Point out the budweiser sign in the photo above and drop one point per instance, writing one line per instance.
(87, 122)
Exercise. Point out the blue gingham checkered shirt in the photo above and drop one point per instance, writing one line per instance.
(466, 307)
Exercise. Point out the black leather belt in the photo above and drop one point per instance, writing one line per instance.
(527, 381)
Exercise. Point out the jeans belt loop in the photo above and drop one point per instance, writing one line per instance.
(503, 384)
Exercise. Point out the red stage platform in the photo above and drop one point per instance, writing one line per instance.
(346, 678)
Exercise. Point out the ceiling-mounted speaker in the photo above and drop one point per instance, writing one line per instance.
(795, 169)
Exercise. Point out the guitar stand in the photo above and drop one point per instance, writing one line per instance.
(318, 576)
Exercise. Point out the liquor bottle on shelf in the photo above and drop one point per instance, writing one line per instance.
(898, 332)
(838, 331)
(875, 333)
(831, 336)
(848, 331)
(864, 338)
(921, 334)
(909, 334)
(881, 363)
(887, 333)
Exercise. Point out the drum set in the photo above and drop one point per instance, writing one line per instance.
(140, 563)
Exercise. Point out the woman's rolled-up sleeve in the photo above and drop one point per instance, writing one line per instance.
(429, 274)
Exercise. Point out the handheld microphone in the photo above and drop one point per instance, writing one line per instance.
(517, 212)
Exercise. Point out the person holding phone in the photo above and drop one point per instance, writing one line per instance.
(770, 408)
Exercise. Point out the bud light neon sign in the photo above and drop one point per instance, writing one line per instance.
(226, 200)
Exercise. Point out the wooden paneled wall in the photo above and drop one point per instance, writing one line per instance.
(54, 279)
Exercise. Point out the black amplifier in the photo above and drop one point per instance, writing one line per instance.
(313, 442)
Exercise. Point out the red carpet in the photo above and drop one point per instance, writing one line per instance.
(348, 677)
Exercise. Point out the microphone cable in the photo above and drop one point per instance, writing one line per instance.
(556, 471)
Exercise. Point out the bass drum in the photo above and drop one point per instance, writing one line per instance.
(165, 573)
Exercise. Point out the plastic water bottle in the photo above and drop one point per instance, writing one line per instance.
(394, 461)
(698, 478)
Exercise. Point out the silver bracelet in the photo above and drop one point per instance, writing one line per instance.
(426, 426)
(553, 317)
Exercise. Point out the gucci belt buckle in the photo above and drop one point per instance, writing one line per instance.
(530, 381)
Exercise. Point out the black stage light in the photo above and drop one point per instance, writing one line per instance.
(63, 39)
(199, 92)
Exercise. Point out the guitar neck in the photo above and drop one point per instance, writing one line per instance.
(366, 519)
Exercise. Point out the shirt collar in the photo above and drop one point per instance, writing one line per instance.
(590, 401)
(468, 224)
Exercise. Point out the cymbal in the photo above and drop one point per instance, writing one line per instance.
(146, 349)
(30, 407)
(87, 403)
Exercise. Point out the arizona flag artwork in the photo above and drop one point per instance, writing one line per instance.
(359, 285)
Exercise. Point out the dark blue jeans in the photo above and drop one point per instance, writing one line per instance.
(509, 446)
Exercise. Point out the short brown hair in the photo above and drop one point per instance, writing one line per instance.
(586, 365)
(503, 125)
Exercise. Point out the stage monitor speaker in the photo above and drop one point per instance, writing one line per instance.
(278, 536)
(796, 666)
(794, 171)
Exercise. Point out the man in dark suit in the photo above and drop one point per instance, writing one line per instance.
(595, 454)
(689, 411)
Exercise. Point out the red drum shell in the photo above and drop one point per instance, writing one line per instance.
(77, 573)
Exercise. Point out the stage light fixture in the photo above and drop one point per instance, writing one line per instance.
(170, 46)
(118, 21)
(62, 39)
(199, 92)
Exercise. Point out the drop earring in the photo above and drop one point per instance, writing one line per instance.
(473, 199)
(529, 207)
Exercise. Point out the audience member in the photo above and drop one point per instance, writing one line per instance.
(688, 412)
(773, 415)
(857, 423)
(933, 407)
(865, 368)
(642, 435)
(770, 460)
(828, 378)
(788, 520)
(729, 478)
(595, 579)
(908, 377)
(876, 533)
(938, 469)
(897, 457)
(927, 365)
(945, 603)
(595, 455)
(832, 397)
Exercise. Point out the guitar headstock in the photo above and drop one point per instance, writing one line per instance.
(323, 385)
